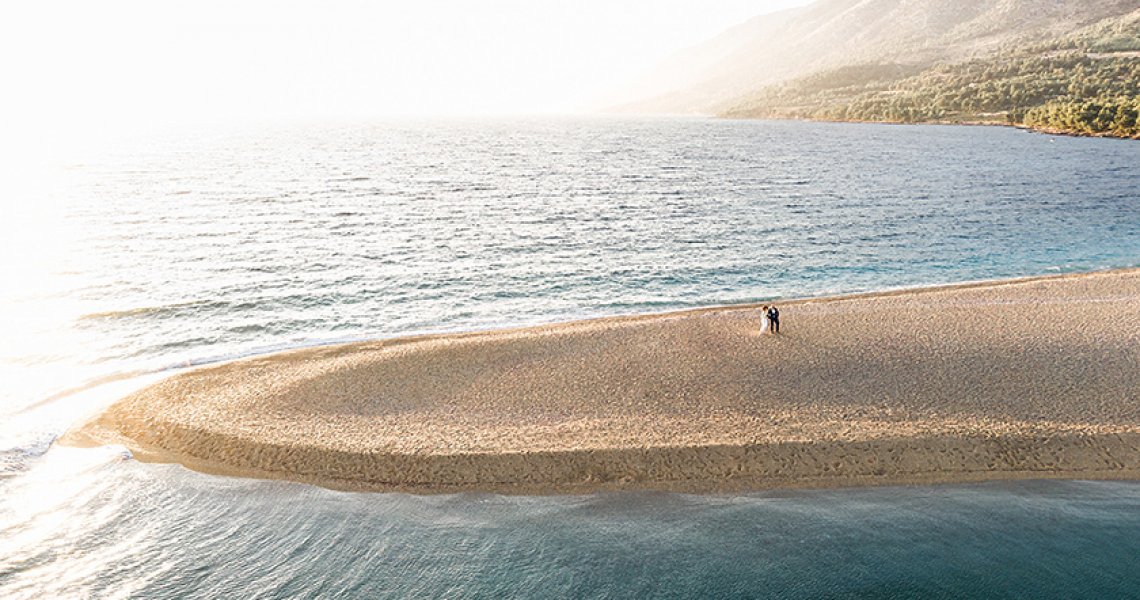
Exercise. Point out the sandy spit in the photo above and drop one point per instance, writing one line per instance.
(1029, 378)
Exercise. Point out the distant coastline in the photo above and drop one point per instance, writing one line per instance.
(961, 123)
(1063, 68)
(1026, 378)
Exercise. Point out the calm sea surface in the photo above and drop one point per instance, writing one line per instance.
(147, 258)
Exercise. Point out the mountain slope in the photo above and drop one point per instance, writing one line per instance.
(909, 35)
(1084, 82)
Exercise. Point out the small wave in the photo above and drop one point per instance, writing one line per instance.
(192, 308)
(17, 459)
(142, 311)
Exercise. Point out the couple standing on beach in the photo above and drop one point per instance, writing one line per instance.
(769, 319)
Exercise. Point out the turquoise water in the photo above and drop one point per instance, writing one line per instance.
(151, 531)
(133, 263)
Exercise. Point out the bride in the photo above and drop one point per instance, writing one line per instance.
(764, 324)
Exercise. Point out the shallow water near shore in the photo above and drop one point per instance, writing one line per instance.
(201, 248)
(162, 531)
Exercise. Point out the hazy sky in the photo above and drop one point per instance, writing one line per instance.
(114, 62)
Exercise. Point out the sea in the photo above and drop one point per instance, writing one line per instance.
(149, 257)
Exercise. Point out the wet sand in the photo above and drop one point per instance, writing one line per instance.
(1034, 378)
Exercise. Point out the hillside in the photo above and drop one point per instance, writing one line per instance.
(1044, 63)
(1087, 83)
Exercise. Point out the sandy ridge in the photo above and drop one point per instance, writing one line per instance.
(1023, 378)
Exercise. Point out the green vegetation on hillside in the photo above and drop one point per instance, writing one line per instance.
(1086, 83)
(1113, 117)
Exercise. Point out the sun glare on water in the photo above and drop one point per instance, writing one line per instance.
(87, 81)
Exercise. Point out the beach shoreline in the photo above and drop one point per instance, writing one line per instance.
(878, 388)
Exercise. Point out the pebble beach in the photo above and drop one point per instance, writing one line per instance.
(1029, 378)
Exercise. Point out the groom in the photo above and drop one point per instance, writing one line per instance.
(774, 318)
